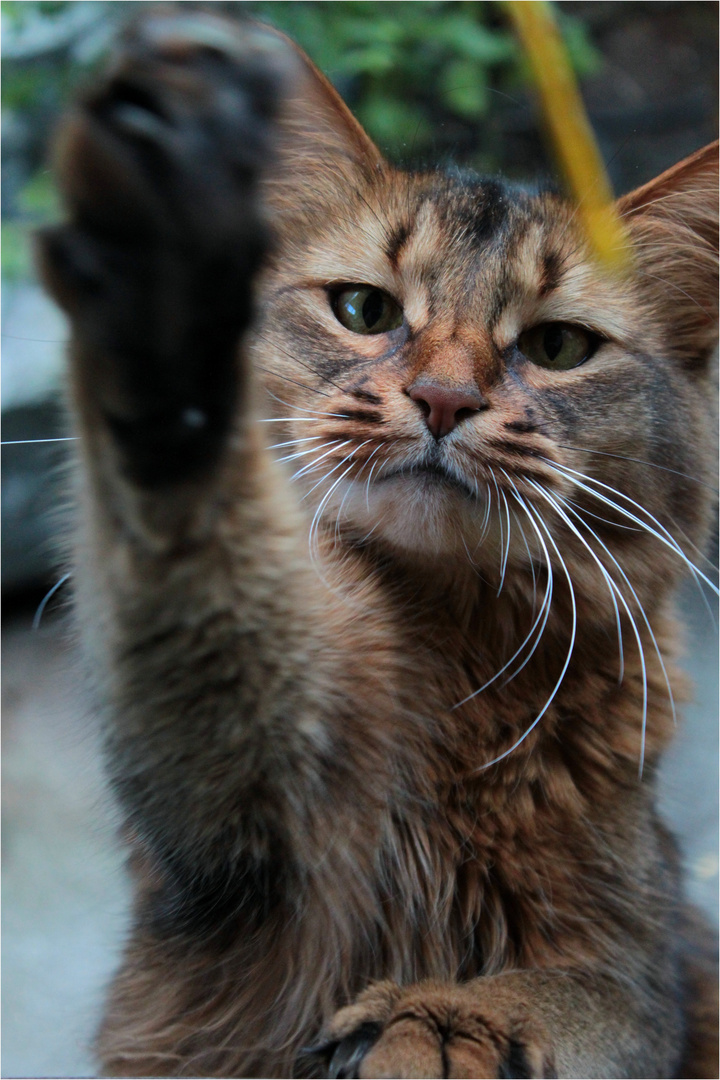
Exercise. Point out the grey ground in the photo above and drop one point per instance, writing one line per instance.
(64, 894)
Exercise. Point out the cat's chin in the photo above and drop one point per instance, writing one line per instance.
(421, 516)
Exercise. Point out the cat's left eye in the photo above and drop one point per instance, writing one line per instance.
(366, 310)
(558, 346)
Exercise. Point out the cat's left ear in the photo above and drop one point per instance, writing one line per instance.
(673, 227)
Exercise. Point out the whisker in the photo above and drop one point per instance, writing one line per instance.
(500, 523)
(310, 450)
(37, 619)
(544, 611)
(303, 408)
(367, 485)
(605, 521)
(506, 554)
(640, 461)
(612, 587)
(276, 345)
(315, 524)
(327, 474)
(531, 561)
(532, 514)
(29, 442)
(652, 638)
(667, 540)
(543, 614)
(294, 442)
(703, 555)
(469, 556)
(37, 340)
(485, 525)
(302, 386)
(357, 478)
(316, 462)
(298, 419)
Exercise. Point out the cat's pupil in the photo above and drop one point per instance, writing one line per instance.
(364, 309)
(373, 307)
(553, 340)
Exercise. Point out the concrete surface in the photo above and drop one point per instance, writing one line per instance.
(64, 895)
(63, 891)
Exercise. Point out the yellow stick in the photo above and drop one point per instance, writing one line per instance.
(570, 130)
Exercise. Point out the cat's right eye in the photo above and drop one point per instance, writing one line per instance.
(366, 310)
(558, 346)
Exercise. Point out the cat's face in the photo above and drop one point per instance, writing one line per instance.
(453, 366)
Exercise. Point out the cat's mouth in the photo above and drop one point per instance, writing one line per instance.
(432, 475)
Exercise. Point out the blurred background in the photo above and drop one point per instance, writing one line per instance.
(432, 81)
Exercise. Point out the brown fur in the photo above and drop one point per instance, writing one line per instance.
(317, 795)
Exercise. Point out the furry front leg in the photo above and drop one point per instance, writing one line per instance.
(250, 771)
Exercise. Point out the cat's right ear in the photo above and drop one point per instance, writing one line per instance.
(320, 147)
(673, 227)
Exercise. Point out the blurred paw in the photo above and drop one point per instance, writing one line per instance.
(433, 1030)
(159, 165)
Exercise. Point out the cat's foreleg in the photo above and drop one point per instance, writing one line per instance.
(238, 743)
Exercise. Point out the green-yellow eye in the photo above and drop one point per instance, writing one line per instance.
(366, 310)
(558, 346)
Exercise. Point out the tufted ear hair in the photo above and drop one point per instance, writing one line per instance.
(320, 144)
(673, 227)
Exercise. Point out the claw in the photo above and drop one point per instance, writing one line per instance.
(343, 1056)
(319, 1050)
(349, 1053)
(139, 122)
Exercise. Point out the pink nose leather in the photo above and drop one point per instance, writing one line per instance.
(445, 406)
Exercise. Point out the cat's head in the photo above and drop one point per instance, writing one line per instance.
(461, 379)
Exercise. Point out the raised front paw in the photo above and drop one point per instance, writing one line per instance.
(159, 166)
(435, 1029)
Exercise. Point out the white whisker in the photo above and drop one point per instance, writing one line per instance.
(485, 525)
(506, 552)
(298, 419)
(37, 619)
(310, 450)
(315, 523)
(666, 539)
(344, 498)
(30, 442)
(502, 532)
(611, 585)
(531, 561)
(313, 464)
(647, 624)
(294, 442)
(532, 514)
(367, 485)
(542, 616)
(300, 408)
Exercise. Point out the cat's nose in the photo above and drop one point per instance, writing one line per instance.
(444, 407)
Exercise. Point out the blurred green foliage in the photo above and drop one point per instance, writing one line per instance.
(423, 76)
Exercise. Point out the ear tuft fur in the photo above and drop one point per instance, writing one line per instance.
(673, 226)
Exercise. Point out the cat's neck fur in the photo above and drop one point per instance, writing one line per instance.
(455, 620)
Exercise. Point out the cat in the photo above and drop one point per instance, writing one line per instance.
(383, 488)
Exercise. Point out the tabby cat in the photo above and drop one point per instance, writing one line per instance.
(384, 486)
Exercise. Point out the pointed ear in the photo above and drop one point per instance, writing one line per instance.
(321, 147)
(673, 226)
